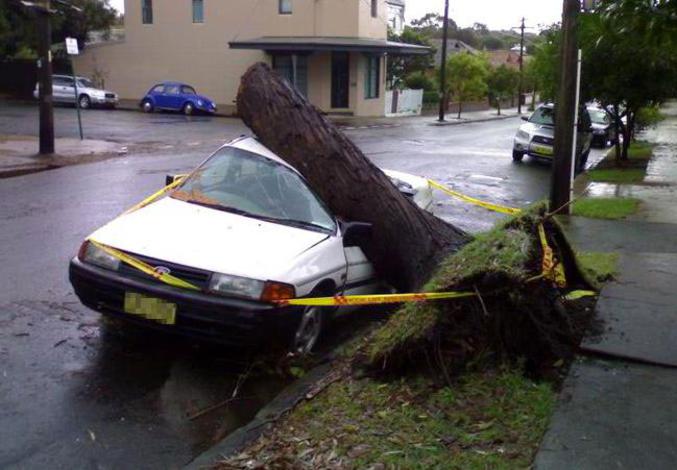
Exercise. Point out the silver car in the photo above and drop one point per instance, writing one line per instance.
(88, 94)
(536, 137)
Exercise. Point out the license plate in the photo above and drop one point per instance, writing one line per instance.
(150, 308)
(542, 150)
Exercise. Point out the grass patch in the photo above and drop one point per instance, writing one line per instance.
(640, 150)
(606, 208)
(617, 175)
(490, 419)
(597, 267)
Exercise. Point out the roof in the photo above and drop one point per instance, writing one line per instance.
(505, 57)
(399, 3)
(454, 46)
(324, 43)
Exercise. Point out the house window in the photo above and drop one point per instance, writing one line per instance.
(284, 7)
(294, 69)
(147, 11)
(374, 8)
(198, 11)
(372, 77)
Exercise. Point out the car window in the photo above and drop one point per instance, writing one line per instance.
(86, 83)
(543, 116)
(599, 116)
(158, 89)
(62, 81)
(172, 89)
(187, 90)
(236, 180)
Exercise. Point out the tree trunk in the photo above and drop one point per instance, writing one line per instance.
(407, 242)
(617, 124)
(498, 106)
(460, 108)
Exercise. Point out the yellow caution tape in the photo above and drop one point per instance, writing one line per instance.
(156, 195)
(145, 267)
(341, 300)
(472, 200)
(579, 294)
(552, 270)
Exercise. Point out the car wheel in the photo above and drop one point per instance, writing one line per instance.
(147, 106)
(188, 109)
(517, 156)
(309, 331)
(84, 102)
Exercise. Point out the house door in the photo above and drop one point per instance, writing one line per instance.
(340, 79)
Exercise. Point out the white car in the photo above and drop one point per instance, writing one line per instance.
(88, 94)
(246, 231)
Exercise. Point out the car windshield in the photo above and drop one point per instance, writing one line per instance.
(543, 116)
(245, 183)
(86, 83)
(599, 116)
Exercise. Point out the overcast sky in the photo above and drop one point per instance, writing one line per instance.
(497, 14)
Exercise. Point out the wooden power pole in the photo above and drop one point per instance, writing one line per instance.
(521, 82)
(565, 109)
(443, 64)
(43, 13)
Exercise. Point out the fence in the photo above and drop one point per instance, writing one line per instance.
(404, 102)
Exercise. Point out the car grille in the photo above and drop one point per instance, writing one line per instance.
(539, 139)
(197, 277)
(110, 95)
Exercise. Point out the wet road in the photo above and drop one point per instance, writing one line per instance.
(76, 392)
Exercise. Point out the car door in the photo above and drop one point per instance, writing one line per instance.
(68, 90)
(172, 97)
(360, 273)
(59, 88)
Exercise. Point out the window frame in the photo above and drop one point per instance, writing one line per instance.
(373, 67)
(147, 11)
(201, 19)
(374, 8)
(281, 10)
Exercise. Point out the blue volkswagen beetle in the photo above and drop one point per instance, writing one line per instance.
(175, 96)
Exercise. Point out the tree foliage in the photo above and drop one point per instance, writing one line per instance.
(467, 74)
(502, 83)
(18, 34)
(400, 67)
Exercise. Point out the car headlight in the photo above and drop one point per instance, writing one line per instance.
(92, 254)
(522, 135)
(270, 291)
(199, 102)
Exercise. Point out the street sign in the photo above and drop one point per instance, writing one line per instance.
(72, 46)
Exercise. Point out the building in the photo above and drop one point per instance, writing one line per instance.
(509, 58)
(454, 46)
(396, 15)
(334, 51)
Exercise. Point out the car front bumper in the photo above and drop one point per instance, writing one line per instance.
(110, 101)
(198, 314)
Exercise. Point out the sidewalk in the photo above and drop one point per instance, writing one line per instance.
(19, 154)
(617, 408)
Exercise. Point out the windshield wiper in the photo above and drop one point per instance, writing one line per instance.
(297, 223)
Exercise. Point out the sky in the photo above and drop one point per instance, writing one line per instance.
(496, 14)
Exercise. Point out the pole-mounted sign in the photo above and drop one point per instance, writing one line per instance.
(73, 49)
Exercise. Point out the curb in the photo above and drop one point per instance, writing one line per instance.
(286, 400)
(471, 121)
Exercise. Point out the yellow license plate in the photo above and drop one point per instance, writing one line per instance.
(542, 150)
(150, 308)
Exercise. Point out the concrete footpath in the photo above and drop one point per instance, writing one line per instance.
(617, 408)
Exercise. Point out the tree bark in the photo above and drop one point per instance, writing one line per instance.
(407, 242)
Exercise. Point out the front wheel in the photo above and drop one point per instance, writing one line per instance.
(517, 156)
(188, 109)
(310, 329)
(147, 106)
(84, 102)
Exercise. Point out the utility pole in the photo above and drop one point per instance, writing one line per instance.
(521, 82)
(443, 65)
(565, 109)
(45, 77)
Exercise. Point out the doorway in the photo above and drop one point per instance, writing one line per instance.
(340, 79)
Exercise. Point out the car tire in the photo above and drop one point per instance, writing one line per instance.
(583, 160)
(311, 328)
(147, 106)
(188, 109)
(84, 102)
(517, 156)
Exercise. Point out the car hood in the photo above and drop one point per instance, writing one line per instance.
(537, 129)
(209, 239)
(599, 126)
(204, 98)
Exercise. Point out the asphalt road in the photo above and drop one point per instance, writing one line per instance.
(77, 392)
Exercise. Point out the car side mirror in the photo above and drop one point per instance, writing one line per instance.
(525, 118)
(169, 179)
(356, 233)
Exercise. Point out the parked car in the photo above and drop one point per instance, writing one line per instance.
(246, 230)
(536, 137)
(63, 91)
(603, 131)
(175, 96)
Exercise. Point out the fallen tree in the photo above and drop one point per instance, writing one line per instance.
(408, 243)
